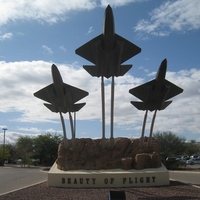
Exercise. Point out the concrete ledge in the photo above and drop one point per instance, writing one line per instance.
(108, 178)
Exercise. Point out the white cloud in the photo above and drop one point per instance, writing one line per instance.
(49, 11)
(179, 15)
(6, 36)
(63, 48)
(118, 2)
(50, 130)
(22, 79)
(145, 70)
(90, 30)
(32, 129)
(47, 49)
(11, 137)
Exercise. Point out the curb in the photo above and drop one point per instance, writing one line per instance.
(186, 183)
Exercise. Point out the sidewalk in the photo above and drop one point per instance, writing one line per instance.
(46, 168)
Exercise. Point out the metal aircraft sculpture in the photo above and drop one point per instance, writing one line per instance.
(154, 95)
(62, 98)
(108, 51)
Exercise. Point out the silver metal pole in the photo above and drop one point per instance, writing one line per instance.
(72, 130)
(151, 130)
(103, 112)
(4, 129)
(112, 113)
(64, 131)
(143, 129)
(75, 123)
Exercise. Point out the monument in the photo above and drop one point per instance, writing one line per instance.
(108, 51)
(62, 98)
(154, 95)
(113, 162)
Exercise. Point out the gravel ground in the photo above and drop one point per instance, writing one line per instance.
(175, 191)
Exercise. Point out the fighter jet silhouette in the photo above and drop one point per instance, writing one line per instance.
(108, 50)
(155, 93)
(61, 96)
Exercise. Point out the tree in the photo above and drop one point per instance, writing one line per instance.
(170, 144)
(6, 153)
(192, 147)
(24, 147)
(46, 147)
(9, 151)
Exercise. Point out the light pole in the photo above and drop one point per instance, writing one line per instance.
(4, 129)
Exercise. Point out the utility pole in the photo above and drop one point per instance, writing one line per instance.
(4, 129)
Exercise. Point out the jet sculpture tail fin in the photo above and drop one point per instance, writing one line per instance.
(164, 105)
(91, 69)
(94, 71)
(123, 69)
(51, 107)
(139, 105)
(78, 106)
(143, 106)
(74, 108)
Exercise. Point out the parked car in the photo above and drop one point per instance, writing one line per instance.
(171, 158)
(194, 157)
(184, 160)
(193, 161)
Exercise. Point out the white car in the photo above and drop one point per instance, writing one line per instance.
(193, 161)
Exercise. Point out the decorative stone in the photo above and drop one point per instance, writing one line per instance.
(127, 163)
(126, 154)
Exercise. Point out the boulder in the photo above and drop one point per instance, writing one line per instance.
(125, 154)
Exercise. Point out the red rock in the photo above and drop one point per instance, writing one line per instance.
(125, 154)
(142, 161)
(127, 163)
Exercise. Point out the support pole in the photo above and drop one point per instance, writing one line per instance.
(143, 129)
(75, 123)
(72, 130)
(151, 130)
(3, 157)
(103, 113)
(64, 131)
(112, 113)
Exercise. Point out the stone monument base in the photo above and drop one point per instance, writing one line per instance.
(108, 178)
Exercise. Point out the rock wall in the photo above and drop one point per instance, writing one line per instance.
(126, 154)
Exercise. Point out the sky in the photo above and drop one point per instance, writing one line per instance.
(36, 34)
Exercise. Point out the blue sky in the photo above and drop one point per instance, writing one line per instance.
(36, 34)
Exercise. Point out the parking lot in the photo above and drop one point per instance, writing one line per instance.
(195, 166)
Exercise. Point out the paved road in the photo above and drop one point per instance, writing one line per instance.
(14, 178)
(188, 177)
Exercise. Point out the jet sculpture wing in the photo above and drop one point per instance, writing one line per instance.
(173, 90)
(141, 91)
(129, 49)
(75, 94)
(144, 90)
(89, 50)
(46, 93)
